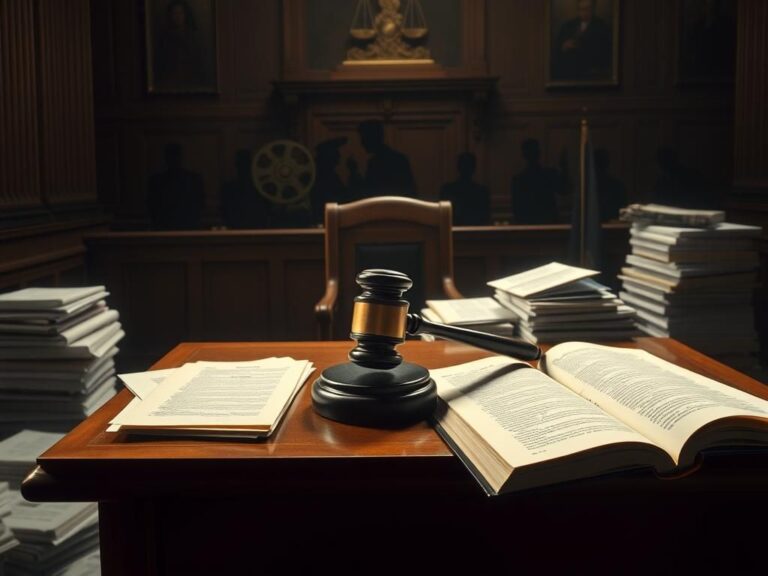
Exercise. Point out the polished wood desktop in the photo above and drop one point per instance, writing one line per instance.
(323, 494)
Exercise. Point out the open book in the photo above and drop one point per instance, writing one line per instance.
(588, 410)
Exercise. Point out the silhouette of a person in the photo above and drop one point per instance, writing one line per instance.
(535, 189)
(179, 60)
(328, 186)
(471, 201)
(176, 196)
(612, 195)
(678, 186)
(388, 172)
(241, 204)
(582, 48)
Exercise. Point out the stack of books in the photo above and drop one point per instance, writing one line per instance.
(557, 302)
(57, 347)
(52, 536)
(484, 314)
(696, 285)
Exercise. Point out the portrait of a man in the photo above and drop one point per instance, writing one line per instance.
(583, 42)
(181, 46)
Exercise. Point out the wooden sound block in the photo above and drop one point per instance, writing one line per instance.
(374, 397)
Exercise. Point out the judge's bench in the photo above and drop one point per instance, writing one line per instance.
(327, 497)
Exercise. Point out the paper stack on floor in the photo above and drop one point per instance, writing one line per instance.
(57, 348)
(45, 537)
(52, 536)
(557, 302)
(213, 399)
(19, 453)
(7, 539)
(484, 314)
(696, 285)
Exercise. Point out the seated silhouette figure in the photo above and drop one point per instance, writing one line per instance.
(471, 201)
(241, 204)
(612, 195)
(176, 198)
(535, 188)
(328, 186)
(388, 171)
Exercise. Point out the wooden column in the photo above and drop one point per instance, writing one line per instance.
(19, 151)
(751, 126)
(748, 199)
(47, 151)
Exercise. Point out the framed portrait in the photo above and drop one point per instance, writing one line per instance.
(583, 41)
(181, 46)
(707, 41)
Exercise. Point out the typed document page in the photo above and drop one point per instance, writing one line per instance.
(243, 395)
(523, 414)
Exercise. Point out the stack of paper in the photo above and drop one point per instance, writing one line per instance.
(557, 302)
(52, 536)
(7, 539)
(484, 314)
(19, 453)
(41, 538)
(57, 347)
(213, 399)
(671, 215)
(696, 285)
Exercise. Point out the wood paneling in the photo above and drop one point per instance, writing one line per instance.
(133, 126)
(19, 143)
(45, 255)
(68, 167)
(751, 143)
(235, 300)
(263, 285)
(648, 108)
(47, 164)
(748, 201)
(153, 297)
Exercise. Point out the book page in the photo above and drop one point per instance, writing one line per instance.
(200, 394)
(540, 279)
(36, 298)
(664, 402)
(470, 311)
(523, 414)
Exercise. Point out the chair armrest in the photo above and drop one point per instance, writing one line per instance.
(450, 288)
(325, 308)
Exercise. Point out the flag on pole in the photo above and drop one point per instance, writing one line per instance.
(585, 241)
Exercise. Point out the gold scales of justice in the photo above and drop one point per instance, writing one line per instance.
(389, 37)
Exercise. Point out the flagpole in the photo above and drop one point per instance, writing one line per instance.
(583, 191)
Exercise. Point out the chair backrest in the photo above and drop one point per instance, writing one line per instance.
(398, 233)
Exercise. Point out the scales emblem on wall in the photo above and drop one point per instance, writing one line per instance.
(391, 36)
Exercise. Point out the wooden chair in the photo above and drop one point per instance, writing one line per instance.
(392, 232)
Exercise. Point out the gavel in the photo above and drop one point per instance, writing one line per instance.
(376, 388)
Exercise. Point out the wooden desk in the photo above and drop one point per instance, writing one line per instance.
(352, 499)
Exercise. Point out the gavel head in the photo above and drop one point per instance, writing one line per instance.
(379, 318)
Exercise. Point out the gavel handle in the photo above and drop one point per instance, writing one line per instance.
(493, 342)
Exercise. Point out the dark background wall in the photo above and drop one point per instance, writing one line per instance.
(648, 109)
(81, 136)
